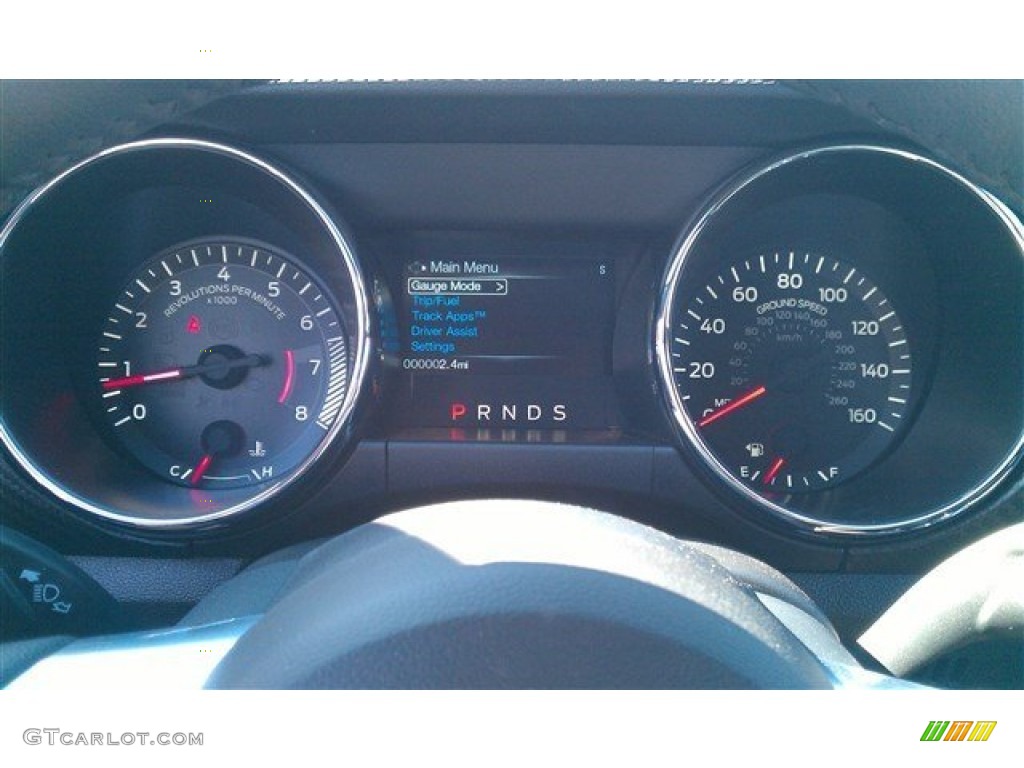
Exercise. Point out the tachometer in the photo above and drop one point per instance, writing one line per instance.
(222, 364)
(171, 387)
(791, 370)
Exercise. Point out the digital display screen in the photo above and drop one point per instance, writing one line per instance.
(507, 342)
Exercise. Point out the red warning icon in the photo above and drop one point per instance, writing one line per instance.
(194, 326)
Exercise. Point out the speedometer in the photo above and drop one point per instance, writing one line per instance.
(819, 337)
(791, 370)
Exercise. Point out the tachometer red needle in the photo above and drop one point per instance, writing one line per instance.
(731, 406)
(134, 381)
(188, 371)
(773, 470)
(197, 474)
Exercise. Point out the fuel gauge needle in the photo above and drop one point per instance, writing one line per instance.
(773, 471)
(732, 405)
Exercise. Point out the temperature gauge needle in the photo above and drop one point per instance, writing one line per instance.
(773, 471)
(200, 469)
(731, 406)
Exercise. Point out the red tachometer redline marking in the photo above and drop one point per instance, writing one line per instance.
(773, 470)
(200, 470)
(729, 407)
(134, 381)
(289, 376)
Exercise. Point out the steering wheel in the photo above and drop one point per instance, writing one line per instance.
(524, 594)
(502, 594)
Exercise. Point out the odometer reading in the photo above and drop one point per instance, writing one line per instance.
(222, 364)
(792, 370)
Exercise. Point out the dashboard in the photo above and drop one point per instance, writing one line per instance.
(737, 313)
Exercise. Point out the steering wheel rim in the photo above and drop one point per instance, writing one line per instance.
(516, 594)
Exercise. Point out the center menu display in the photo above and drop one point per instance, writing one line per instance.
(507, 341)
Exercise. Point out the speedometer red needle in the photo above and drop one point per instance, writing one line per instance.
(200, 469)
(134, 381)
(731, 406)
(773, 470)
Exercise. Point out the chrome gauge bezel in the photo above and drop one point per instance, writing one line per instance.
(691, 441)
(345, 264)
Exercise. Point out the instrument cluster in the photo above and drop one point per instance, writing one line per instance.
(193, 335)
